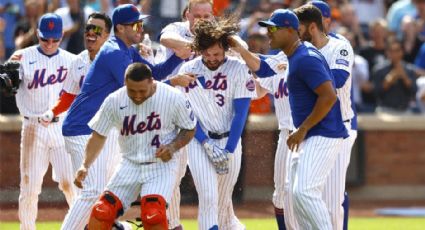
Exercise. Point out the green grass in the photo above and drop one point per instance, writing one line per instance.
(269, 224)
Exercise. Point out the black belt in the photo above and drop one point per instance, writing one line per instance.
(348, 120)
(218, 136)
(55, 119)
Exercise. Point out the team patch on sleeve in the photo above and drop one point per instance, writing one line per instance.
(250, 85)
(342, 62)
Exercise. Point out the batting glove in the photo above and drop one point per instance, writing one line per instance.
(46, 118)
(222, 168)
(215, 153)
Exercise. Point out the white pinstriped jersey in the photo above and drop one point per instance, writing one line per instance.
(276, 85)
(213, 92)
(143, 128)
(340, 55)
(78, 70)
(42, 79)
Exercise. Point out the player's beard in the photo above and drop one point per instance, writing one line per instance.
(212, 65)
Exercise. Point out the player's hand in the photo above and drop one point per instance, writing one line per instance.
(184, 52)
(295, 139)
(215, 154)
(222, 168)
(183, 80)
(146, 52)
(46, 118)
(80, 176)
(235, 43)
(164, 152)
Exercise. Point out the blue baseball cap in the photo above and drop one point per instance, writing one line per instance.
(127, 14)
(282, 18)
(50, 26)
(323, 7)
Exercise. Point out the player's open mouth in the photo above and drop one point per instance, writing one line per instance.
(91, 38)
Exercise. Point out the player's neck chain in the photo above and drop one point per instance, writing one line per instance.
(293, 47)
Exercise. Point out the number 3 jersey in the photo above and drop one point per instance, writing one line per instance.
(212, 94)
(143, 128)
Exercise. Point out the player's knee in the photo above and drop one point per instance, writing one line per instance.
(153, 212)
(105, 211)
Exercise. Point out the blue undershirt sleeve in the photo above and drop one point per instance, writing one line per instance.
(200, 136)
(241, 106)
(163, 69)
(340, 77)
(265, 70)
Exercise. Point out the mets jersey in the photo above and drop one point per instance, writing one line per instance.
(213, 92)
(42, 79)
(277, 86)
(143, 128)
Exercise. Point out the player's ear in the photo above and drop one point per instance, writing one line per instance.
(120, 27)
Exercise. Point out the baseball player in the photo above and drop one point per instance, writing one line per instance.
(316, 142)
(220, 98)
(104, 76)
(151, 131)
(277, 67)
(341, 72)
(339, 56)
(97, 30)
(277, 86)
(178, 37)
(44, 68)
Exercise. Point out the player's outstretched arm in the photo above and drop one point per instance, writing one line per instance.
(62, 105)
(94, 145)
(163, 69)
(181, 46)
(251, 59)
(241, 106)
(165, 152)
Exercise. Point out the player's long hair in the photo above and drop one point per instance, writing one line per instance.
(209, 32)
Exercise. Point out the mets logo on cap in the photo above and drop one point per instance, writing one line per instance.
(51, 25)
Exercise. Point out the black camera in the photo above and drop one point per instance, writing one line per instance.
(9, 78)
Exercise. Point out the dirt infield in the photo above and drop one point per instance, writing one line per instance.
(247, 210)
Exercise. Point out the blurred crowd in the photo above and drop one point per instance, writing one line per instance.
(387, 36)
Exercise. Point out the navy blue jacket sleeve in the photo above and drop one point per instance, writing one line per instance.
(241, 106)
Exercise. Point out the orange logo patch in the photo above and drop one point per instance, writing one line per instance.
(51, 25)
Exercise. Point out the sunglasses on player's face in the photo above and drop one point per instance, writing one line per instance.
(96, 29)
(50, 39)
(272, 29)
(135, 25)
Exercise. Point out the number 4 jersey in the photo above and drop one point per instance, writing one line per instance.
(212, 94)
(143, 128)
